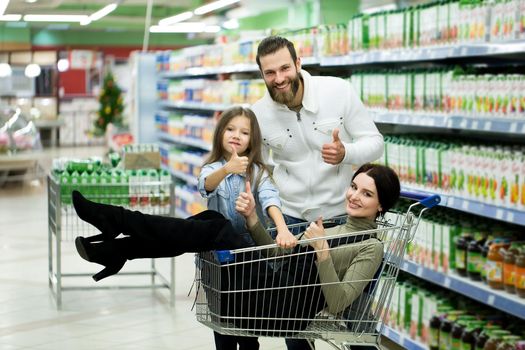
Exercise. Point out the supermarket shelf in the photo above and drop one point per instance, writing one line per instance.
(235, 68)
(476, 290)
(472, 206)
(487, 124)
(184, 140)
(402, 339)
(195, 105)
(190, 180)
(425, 54)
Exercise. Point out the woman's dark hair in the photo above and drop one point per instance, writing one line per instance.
(271, 45)
(254, 150)
(387, 184)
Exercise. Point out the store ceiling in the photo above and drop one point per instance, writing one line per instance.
(129, 15)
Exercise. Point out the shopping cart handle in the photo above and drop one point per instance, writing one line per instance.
(428, 201)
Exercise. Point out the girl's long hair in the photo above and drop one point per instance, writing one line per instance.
(254, 150)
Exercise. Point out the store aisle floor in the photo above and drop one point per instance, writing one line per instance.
(89, 319)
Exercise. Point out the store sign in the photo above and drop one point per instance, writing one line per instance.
(81, 59)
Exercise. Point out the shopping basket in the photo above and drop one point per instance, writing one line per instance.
(250, 292)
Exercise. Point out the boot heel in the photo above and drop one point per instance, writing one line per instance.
(109, 270)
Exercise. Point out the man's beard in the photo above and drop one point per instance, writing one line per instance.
(286, 98)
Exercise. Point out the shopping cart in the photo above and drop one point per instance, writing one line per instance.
(147, 195)
(250, 292)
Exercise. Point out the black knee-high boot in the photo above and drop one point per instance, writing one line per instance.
(187, 235)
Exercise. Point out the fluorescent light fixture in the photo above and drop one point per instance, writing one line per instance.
(103, 12)
(32, 70)
(212, 29)
(186, 27)
(214, 6)
(3, 6)
(5, 70)
(231, 24)
(85, 21)
(63, 64)
(11, 18)
(176, 19)
(54, 18)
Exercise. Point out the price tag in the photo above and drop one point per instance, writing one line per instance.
(405, 266)
(446, 283)
(491, 299)
(465, 205)
(499, 214)
(510, 216)
(513, 127)
(419, 271)
(451, 201)
(523, 128)
(488, 126)
(463, 124)
(475, 124)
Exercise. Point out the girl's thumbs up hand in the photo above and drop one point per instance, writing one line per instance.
(236, 164)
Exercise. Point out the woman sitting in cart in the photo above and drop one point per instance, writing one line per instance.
(330, 273)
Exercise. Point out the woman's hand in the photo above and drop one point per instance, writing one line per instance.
(245, 205)
(316, 230)
(285, 239)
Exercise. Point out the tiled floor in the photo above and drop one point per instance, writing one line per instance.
(89, 318)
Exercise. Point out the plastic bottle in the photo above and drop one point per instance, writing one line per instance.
(509, 268)
(495, 265)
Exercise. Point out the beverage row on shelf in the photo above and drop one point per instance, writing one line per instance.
(443, 91)
(487, 172)
(188, 201)
(211, 91)
(191, 126)
(435, 91)
(478, 249)
(438, 23)
(442, 320)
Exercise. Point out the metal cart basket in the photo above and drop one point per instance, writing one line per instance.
(148, 196)
(250, 292)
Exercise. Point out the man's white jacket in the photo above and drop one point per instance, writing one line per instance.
(308, 186)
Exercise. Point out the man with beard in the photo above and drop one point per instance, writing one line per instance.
(316, 128)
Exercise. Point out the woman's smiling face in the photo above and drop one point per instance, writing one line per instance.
(362, 200)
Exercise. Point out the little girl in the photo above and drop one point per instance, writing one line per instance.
(236, 158)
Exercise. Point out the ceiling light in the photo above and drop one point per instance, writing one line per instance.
(85, 21)
(231, 24)
(103, 12)
(54, 18)
(32, 70)
(186, 27)
(213, 6)
(176, 19)
(5, 70)
(3, 6)
(11, 18)
(31, 1)
(63, 64)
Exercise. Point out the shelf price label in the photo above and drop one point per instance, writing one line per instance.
(447, 282)
(491, 299)
(513, 127)
(488, 126)
(465, 205)
(499, 214)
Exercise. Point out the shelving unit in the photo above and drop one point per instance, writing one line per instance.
(475, 290)
(402, 339)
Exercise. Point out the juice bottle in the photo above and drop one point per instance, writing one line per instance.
(509, 268)
(474, 259)
(461, 250)
(495, 264)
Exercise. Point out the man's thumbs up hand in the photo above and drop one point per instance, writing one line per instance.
(333, 152)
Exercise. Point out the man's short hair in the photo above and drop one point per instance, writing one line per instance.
(271, 45)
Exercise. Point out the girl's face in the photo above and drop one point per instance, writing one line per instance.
(236, 136)
(361, 198)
